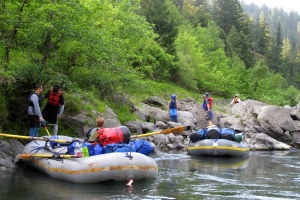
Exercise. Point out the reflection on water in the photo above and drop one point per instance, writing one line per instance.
(264, 175)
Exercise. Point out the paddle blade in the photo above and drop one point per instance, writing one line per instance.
(176, 130)
(24, 156)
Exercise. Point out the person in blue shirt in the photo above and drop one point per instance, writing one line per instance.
(35, 101)
(173, 108)
(207, 106)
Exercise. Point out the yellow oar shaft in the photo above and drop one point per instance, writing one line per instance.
(33, 138)
(171, 130)
(147, 134)
(47, 131)
(46, 156)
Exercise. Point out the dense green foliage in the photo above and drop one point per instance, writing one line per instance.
(98, 48)
(283, 55)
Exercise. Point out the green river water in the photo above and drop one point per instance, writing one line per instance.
(264, 175)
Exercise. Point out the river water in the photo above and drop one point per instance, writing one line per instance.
(264, 175)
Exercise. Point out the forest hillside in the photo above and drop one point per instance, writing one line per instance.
(96, 49)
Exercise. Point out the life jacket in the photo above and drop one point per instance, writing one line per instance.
(30, 103)
(54, 98)
(173, 104)
(210, 101)
(235, 100)
(119, 134)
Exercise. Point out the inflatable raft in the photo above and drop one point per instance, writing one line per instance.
(119, 166)
(214, 141)
(221, 147)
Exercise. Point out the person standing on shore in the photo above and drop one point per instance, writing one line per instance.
(54, 108)
(173, 108)
(207, 106)
(35, 117)
(236, 99)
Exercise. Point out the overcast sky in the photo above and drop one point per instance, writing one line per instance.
(287, 5)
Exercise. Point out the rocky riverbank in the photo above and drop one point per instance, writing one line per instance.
(265, 127)
(8, 151)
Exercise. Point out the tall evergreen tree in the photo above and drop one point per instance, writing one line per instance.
(230, 13)
(263, 36)
(275, 58)
(165, 17)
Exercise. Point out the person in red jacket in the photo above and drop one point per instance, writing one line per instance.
(207, 106)
(54, 108)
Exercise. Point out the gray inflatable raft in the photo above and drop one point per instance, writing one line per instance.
(111, 166)
(221, 147)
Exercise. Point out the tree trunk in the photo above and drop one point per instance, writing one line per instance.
(10, 39)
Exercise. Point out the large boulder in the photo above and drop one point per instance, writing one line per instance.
(296, 140)
(261, 141)
(16, 146)
(275, 121)
(233, 122)
(247, 109)
(135, 127)
(161, 125)
(141, 112)
(161, 141)
(186, 118)
(295, 112)
(156, 114)
(111, 119)
(156, 101)
(147, 127)
(78, 122)
(6, 155)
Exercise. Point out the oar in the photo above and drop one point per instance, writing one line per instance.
(171, 130)
(33, 138)
(47, 156)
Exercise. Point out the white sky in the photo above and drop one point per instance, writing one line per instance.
(287, 5)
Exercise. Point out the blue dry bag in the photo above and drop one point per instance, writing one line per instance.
(119, 147)
(197, 135)
(227, 133)
(143, 147)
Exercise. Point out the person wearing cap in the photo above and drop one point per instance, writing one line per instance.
(35, 116)
(92, 133)
(235, 100)
(173, 108)
(207, 106)
(54, 108)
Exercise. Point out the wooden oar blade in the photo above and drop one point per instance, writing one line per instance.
(24, 156)
(176, 130)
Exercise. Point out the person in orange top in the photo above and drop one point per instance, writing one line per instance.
(54, 108)
(235, 100)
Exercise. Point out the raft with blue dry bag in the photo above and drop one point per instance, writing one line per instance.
(214, 141)
(115, 162)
